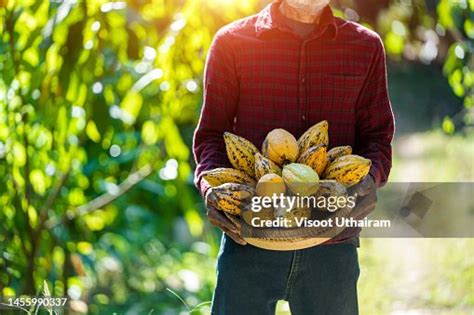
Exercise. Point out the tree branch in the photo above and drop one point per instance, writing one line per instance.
(52, 196)
(106, 198)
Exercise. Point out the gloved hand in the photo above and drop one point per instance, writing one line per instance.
(365, 191)
(364, 187)
(218, 218)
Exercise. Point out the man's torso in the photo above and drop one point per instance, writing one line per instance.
(292, 83)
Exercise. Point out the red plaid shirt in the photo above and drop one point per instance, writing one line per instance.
(260, 76)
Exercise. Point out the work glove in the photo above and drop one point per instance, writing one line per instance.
(219, 219)
(364, 187)
(365, 192)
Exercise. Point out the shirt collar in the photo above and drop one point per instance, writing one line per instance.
(271, 18)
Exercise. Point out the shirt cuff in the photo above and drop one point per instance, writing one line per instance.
(203, 186)
(376, 176)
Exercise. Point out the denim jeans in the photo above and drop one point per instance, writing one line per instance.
(319, 280)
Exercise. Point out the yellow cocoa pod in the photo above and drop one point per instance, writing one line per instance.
(241, 153)
(264, 166)
(270, 185)
(222, 175)
(337, 152)
(316, 158)
(300, 179)
(314, 136)
(231, 198)
(280, 146)
(348, 169)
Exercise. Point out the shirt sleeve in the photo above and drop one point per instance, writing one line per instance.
(375, 124)
(220, 100)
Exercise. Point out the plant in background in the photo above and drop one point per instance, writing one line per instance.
(430, 33)
(97, 105)
(457, 17)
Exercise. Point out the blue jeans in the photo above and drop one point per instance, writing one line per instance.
(319, 280)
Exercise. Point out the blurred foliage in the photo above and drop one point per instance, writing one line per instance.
(97, 106)
(98, 102)
(428, 32)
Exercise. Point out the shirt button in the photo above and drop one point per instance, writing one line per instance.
(303, 80)
(304, 117)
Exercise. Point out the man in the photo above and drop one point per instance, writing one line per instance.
(291, 66)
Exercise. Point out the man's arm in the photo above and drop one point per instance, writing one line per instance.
(374, 119)
(221, 90)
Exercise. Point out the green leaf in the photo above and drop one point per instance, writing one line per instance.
(394, 44)
(131, 106)
(448, 126)
(38, 182)
(149, 133)
(94, 222)
(76, 197)
(92, 132)
(32, 216)
(31, 56)
(174, 144)
(19, 154)
(7, 291)
(469, 28)
(85, 248)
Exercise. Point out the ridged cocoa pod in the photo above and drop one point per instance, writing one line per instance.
(348, 169)
(222, 175)
(337, 152)
(316, 158)
(314, 136)
(230, 197)
(264, 166)
(241, 153)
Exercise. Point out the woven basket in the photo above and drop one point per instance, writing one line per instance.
(304, 237)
